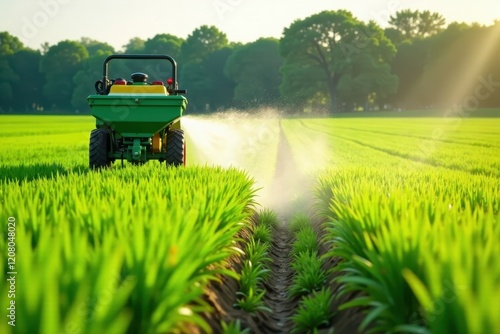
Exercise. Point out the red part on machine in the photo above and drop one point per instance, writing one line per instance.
(120, 82)
(170, 81)
(159, 83)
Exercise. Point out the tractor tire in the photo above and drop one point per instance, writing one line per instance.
(99, 148)
(176, 148)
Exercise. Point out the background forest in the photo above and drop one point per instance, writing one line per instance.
(326, 63)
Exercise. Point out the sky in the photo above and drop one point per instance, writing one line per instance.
(117, 21)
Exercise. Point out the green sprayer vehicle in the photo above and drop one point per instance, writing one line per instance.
(137, 120)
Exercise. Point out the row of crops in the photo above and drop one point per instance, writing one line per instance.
(120, 251)
(420, 245)
(417, 232)
(471, 146)
(406, 219)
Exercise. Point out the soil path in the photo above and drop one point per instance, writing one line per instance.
(287, 186)
(280, 279)
(289, 193)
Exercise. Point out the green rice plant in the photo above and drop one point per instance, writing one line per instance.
(305, 241)
(268, 218)
(414, 216)
(251, 301)
(423, 264)
(309, 274)
(313, 311)
(390, 143)
(460, 286)
(257, 252)
(124, 250)
(252, 276)
(64, 285)
(234, 327)
(261, 233)
(298, 222)
(255, 270)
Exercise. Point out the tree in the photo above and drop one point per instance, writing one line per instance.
(409, 65)
(93, 47)
(304, 85)
(458, 66)
(411, 24)
(27, 90)
(193, 77)
(430, 23)
(159, 44)
(201, 67)
(59, 65)
(323, 48)
(462, 60)
(367, 81)
(254, 68)
(202, 42)
(221, 88)
(8, 78)
(208, 87)
(492, 67)
(135, 45)
(9, 44)
(164, 44)
(45, 46)
(84, 80)
(395, 36)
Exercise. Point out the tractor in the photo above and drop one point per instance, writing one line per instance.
(137, 120)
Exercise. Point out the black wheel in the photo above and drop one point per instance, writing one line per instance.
(176, 148)
(99, 148)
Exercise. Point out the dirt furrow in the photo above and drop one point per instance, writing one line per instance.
(281, 276)
(287, 182)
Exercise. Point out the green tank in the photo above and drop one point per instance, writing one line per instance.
(137, 120)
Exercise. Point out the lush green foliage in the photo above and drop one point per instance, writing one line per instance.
(409, 24)
(255, 269)
(127, 249)
(313, 311)
(299, 222)
(251, 291)
(262, 233)
(309, 275)
(469, 145)
(420, 259)
(201, 64)
(328, 61)
(309, 278)
(413, 208)
(305, 241)
(415, 215)
(234, 327)
(254, 68)
(268, 217)
(346, 60)
(257, 251)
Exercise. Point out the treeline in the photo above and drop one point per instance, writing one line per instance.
(328, 62)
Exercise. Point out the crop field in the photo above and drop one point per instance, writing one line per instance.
(344, 225)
